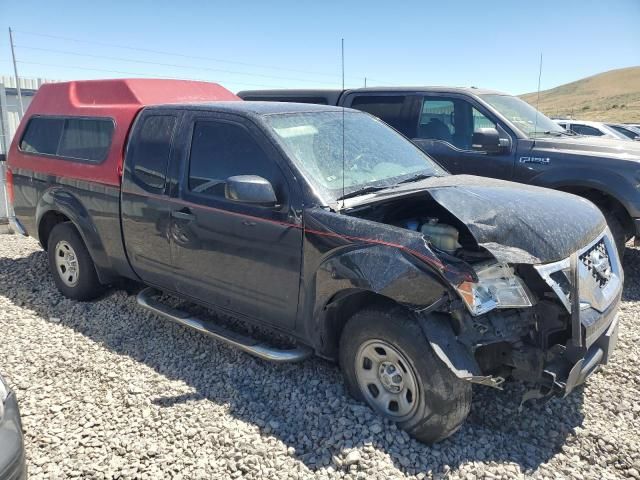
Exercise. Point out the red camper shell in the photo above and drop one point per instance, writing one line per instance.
(118, 100)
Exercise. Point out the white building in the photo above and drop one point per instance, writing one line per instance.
(10, 118)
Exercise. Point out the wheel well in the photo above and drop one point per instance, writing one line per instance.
(341, 308)
(47, 222)
(605, 202)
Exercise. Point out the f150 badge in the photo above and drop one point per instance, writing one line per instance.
(540, 160)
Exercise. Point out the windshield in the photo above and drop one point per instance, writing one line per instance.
(523, 115)
(615, 133)
(374, 154)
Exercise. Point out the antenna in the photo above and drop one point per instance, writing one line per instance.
(342, 58)
(15, 71)
(535, 125)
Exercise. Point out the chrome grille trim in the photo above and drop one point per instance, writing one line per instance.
(597, 261)
(594, 292)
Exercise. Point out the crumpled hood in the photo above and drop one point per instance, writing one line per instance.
(518, 223)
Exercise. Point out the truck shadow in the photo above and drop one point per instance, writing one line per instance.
(325, 422)
(631, 266)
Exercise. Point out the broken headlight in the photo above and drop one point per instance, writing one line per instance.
(497, 287)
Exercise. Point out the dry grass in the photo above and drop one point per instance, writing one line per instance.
(609, 96)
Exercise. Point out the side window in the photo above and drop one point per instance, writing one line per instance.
(437, 120)
(85, 139)
(42, 135)
(451, 120)
(586, 130)
(480, 121)
(389, 109)
(149, 154)
(220, 150)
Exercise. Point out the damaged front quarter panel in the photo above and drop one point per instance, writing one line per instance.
(457, 356)
(347, 255)
(384, 254)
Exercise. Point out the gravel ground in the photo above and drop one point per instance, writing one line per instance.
(110, 391)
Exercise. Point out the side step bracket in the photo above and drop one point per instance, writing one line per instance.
(147, 299)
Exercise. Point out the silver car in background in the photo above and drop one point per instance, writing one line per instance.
(630, 131)
(592, 129)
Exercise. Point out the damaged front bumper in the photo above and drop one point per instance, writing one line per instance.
(552, 346)
(598, 354)
(593, 280)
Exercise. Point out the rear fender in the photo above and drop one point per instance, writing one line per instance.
(59, 200)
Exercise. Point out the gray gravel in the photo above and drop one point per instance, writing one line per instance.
(110, 391)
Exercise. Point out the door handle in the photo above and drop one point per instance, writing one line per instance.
(184, 214)
(248, 223)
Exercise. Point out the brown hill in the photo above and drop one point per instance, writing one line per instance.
(609, 96)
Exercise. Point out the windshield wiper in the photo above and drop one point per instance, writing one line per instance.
(415, 178)
(557, 133)
(362, 191)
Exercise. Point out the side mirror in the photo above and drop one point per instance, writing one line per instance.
(3, 157)
(250, 189)
(486, 140)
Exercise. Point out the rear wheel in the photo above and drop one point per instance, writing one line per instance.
(388, 363)
(71, 265)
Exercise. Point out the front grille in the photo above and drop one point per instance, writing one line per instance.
(596, 260)
(599, 275)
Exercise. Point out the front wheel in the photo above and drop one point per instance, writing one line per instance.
(618, 232)
(388, 363)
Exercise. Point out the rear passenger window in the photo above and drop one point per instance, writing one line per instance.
(220, 150)
(85, 139)
(149, 153)
(388, 109)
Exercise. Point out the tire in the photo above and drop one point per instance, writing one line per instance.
(618, 232)
(441, 401)
(71, 265)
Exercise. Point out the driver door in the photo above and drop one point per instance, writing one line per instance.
(241, 257)
(445, 131)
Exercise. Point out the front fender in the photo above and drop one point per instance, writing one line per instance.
(347, 258)
(60, 200)
(383, 270)
(611, 183)
(355, 277)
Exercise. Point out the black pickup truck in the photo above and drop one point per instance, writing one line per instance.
(488, 133)
(322, 224)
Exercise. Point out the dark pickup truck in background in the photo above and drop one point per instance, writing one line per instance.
(322, 224)
(488, 133)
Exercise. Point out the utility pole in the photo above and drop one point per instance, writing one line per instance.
(15, 71)
(365, 82)
(342, 59)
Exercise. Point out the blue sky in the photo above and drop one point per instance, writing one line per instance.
(242, 45)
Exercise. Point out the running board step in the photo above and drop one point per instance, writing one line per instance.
(146, 298)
